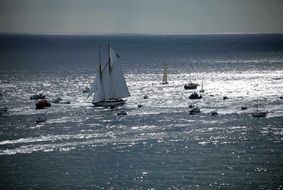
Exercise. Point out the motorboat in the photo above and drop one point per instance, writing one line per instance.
(86, 90)
(195, 95)
(60, 101)
(194, 110)
(190, 86)
(259, 114)
(43, 103)
(37, 96)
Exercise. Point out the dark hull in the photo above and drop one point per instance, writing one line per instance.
(190, 86)
(259, 114)
(109, 103)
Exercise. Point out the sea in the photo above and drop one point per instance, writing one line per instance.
(159, 145)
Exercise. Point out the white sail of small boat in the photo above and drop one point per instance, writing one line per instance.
(110, 86)
(202, 90)
(259, 112)
(164, 79)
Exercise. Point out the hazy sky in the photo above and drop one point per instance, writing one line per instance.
(141, 16)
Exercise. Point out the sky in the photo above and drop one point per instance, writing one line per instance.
(141, 16)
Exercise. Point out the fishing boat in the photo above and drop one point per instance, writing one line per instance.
(164, 79)
(109, 86)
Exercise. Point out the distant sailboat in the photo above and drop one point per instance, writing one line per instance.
(202, 90)
(164, 79)
(110, 86)
(259, 113)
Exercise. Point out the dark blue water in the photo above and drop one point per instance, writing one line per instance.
(159, 146)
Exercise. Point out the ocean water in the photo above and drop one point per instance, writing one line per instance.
(158, 146)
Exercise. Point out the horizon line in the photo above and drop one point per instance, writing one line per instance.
(125, 33)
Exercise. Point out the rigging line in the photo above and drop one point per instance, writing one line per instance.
(104, 67)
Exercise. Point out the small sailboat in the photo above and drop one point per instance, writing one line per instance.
(164, 79)
(110, 86)
(259, 112)
(202, 90)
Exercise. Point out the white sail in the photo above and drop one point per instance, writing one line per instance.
(119, 85)
(164, 80)
(110, 82)
(98, 86)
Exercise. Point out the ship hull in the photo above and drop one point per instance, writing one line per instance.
(109, 103)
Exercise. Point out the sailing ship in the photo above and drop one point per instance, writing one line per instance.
(110, 86)
(164, 79)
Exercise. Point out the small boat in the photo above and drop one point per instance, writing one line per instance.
(164, 79)
(259, 114)
(195, 95)
(122, 113)
(214, 113)
(194, 110)
(190, 86)
(225, 97)
(259, 111)
(244, 107)
(37, 96)
(110, 86)
(86, 90)
(145, 97)
(57, 100)
(202, 90)
(40, 120)
(41, 104)
(3, 110)
(60, 101)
